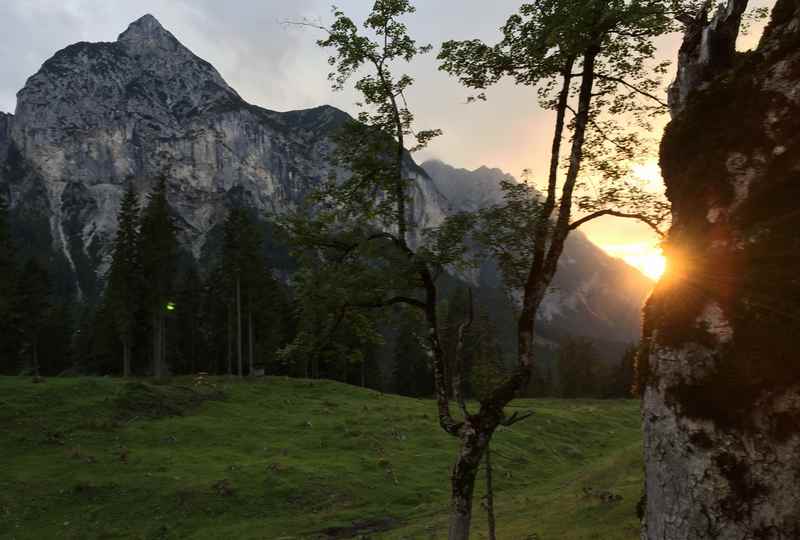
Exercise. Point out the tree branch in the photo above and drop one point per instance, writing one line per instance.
(623, 82)
(600, 213)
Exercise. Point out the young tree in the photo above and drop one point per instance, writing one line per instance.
(158, 249)
(124, 289)
(592, 60)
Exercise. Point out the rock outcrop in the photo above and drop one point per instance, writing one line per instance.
(99, 115)
(721, 371)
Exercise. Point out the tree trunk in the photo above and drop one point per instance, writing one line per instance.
(250, 340)
(126, 357)
(156, 345)
(490, 495)
(364, 373)
(36, 356)
(238, 327)
(719, 370)
(462, 479)
(230, 340)
(163, 320)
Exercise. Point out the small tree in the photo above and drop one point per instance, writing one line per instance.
(592, 60)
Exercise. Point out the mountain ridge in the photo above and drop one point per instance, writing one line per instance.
(98, 116)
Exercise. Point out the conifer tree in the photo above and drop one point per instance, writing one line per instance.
(8, 279)
(124, 289)
(158, 249)
(33, 304)
(242, 262)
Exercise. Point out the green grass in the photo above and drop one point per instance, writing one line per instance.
(286, 458)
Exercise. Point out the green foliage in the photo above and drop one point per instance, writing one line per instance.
(487, 366)
(412, 370)
(8, 279)
(32, 310)
(158, 247)
(125, 286)
(543, 46)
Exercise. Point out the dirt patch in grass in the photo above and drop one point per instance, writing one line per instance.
(358, 528)
(142, 400)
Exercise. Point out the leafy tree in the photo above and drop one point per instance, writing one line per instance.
(158, 249)
(591, 60)
(124, 289)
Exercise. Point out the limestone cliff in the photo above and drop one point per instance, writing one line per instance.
(721, 373)
(98, 115)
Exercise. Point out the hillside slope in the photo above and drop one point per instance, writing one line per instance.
(291, 459)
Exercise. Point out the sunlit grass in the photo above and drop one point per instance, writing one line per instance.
(281, 458)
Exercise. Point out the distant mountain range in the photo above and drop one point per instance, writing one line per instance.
(97, 116)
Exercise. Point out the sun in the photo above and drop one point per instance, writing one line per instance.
(646, 257)
(652, 265)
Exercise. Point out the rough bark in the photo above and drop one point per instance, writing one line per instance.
(720, 368)
(492, 529)
(474, 440)
(708, 48)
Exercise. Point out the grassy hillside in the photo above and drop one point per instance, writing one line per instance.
(290, 459)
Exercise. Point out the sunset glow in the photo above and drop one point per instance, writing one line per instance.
(646, 257)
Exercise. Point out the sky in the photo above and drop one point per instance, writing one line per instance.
(279, 67)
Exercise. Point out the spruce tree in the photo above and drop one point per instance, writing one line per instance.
(33, 305)
(158, 249)
(124, 290)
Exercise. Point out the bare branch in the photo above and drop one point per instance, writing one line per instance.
(515, 418)
(600, 213)
(639, 91)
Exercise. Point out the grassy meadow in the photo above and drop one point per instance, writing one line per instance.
(276, 458)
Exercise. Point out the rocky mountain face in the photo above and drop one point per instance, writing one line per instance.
(721, 371)
(593, 295)
(99, 115)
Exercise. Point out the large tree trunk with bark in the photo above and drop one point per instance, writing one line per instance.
(474, 441)
(720, 368)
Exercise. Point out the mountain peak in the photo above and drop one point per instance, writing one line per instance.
(144, 31)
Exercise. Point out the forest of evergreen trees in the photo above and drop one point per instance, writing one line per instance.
(163, 313)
